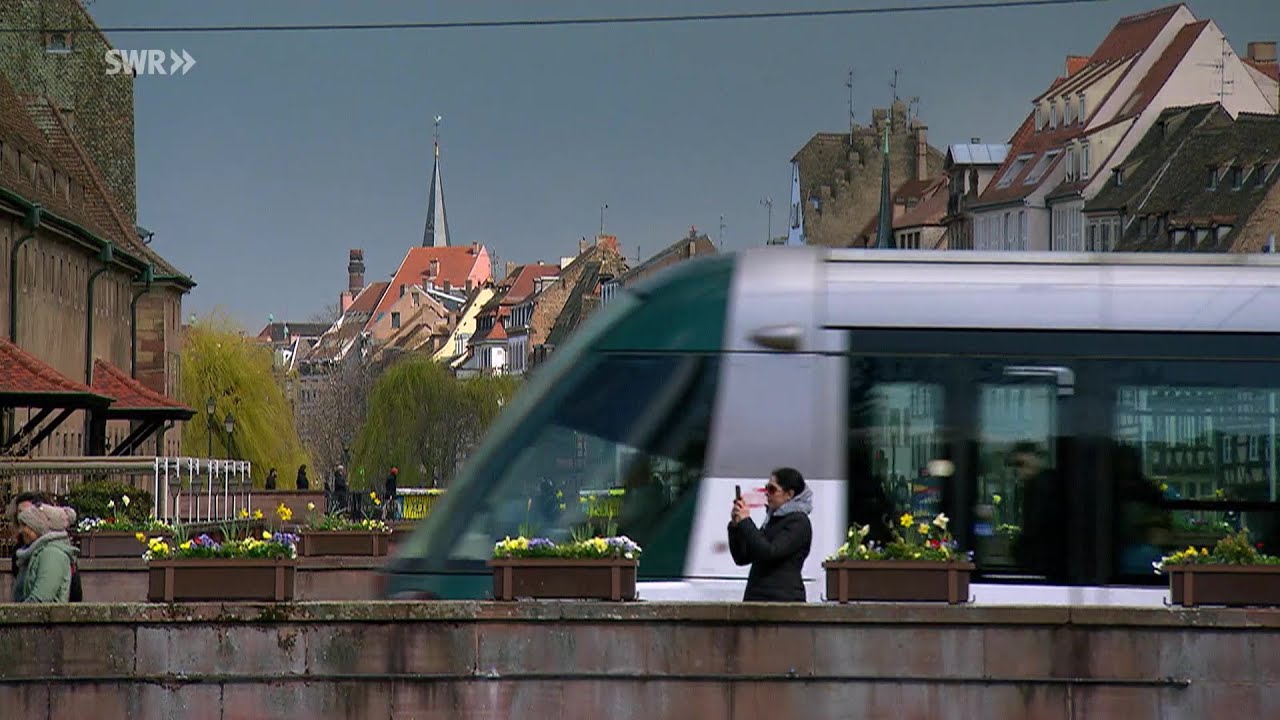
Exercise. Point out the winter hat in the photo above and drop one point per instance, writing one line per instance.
(45, 519)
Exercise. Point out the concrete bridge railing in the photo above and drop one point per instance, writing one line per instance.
(642, 660)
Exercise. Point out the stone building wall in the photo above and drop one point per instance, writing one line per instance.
(844, 179)
(100, 105)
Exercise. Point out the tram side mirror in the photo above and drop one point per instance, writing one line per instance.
(779, 337)
(1063, 377)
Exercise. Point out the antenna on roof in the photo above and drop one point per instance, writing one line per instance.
(1224, 84)
(849, 84)
(722, 228)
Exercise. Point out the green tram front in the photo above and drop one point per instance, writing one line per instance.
(1143, 387)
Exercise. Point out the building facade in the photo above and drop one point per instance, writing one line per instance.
(1090, 119)
(839, 174)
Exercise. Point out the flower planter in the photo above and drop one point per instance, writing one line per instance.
(897, 581)
(212, 579)
(114, 544)
(316, 543)
(1231, 585)
(552, 578)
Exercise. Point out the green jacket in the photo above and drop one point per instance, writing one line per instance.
(44, 570)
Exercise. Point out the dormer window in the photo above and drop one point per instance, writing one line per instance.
(1259, 175)
(1118, 174)
(1071, 163)
(1084, 109)
(57, 42)
(1213, 179)
(1067, 109)
(1039, 117)
(1237, 177)
(1084, 161)
(1053, 115)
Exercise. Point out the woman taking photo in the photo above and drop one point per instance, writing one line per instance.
(776, 551)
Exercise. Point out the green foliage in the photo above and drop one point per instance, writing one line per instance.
(218, 361)
(105, 499)
(424, 421)
(913, 539)
(1233, 549)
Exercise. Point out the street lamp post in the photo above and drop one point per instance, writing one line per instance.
(209, 407)
(230, 426)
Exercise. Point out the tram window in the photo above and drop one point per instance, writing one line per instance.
(896, 430)
(1020, 494)
(623, 453)
(1199, 452)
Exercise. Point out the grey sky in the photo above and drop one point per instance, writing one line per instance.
(278, 152)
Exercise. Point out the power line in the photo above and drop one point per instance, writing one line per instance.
(560, 22)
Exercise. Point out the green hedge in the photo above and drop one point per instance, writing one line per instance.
(91, 499)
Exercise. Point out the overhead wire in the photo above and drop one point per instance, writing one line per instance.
(562, 22)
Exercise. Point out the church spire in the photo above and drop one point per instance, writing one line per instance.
(437, 231)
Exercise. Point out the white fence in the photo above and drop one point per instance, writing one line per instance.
(183, 489)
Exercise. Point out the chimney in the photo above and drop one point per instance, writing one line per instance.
(448, 286)
(1076, 63)
(511, 267)
(355, 272)
(1262, 52)
(469, 287)
(344, 302)
(475, 249)
(434, 269)
(922, 151)
(583, 245)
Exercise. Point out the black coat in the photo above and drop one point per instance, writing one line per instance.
(776, 554)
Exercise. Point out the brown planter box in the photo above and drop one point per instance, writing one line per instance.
(1231, 585)
(115, 544)
(897, 581)
(315, 543)
(549, 578)
(184, 580)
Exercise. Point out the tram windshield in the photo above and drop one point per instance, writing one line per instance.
(609, 437)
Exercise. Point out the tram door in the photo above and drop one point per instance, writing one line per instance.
(1022, 501)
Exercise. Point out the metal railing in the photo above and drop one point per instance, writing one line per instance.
(183, 489)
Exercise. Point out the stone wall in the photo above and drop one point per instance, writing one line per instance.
(844, 178)
(705, 661)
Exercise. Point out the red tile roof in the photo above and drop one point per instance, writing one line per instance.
(24, 374)
(455, 265)
(524, 281)
(368, 299)
(1134, 34)
(931, 208)
(1270, 69)
(131, 395)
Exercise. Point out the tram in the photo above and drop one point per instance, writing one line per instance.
(1137, 391)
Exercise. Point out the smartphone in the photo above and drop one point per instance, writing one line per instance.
(737, 492)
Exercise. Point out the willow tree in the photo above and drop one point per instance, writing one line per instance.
(424, 421)
(219, 362)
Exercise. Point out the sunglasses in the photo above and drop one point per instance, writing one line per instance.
(772, 489)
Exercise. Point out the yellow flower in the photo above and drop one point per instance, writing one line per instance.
(923, 528)
(1164, 487)
(906, 520)
(376, 501)
(125, 500)
(266, 535)
(244, 512)
(141, 537)
(186, 545)
(997, 499)
(311, 506)
(1204, 551)
(257, 514)
(373, 495)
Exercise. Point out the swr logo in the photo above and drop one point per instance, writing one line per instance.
(148, 62)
